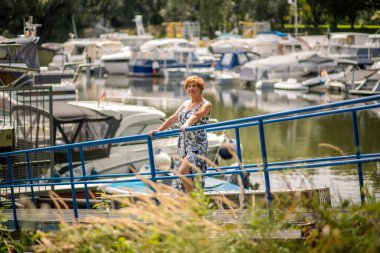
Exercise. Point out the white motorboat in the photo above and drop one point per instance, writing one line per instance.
(117, 63)
(263, 44)
(300, 66)
(156, 57)
(267, 83)
(274, 67)
(83, 51)
(92, 120)
(313, 81)
(290, 84)
(20, 65)
(364, 55)
(350, 80)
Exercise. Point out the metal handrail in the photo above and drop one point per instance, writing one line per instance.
(351, 106)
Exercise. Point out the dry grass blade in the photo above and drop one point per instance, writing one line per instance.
(327, 145)
(222, 201)
(209, 162)
(92, 195)
(58, 201)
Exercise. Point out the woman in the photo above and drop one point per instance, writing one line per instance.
(192, 146)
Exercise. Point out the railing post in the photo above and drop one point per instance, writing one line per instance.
(84, 178)
(265, 164)
(357, 148)
(30, 177)
(15, 221)
(73, 193)
(238, 148)
(151, 159)
(152, 166)
(238, 151)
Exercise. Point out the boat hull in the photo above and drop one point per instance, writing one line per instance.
(116, 67)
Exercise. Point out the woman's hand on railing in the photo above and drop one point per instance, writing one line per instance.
(183, 127)
(152, 132)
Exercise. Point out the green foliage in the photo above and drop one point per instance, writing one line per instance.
(183, 223)
(56, 16)
(13, 13)
(104, 202)
(7, 241)
(356, 230)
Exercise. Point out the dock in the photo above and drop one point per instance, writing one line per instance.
(46, 218)
(49, 220)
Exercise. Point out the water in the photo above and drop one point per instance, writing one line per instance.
(306, 138)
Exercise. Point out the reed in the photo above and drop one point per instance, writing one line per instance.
(168, 221)
(184, 223)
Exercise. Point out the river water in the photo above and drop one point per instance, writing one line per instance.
(306, 138)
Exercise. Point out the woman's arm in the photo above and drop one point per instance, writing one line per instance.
(201, 113)
(168, 122)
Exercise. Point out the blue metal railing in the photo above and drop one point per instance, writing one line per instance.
(349, 106)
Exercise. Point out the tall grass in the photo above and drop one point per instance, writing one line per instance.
(168, 221)
(190, 223)
(7, 241)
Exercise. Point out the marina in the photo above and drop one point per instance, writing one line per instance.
(314, 137)
(286, 142)
(315, 162)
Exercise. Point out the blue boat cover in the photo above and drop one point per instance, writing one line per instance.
(211, 184)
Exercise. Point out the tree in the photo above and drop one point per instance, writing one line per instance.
(212, 15)
(58, 26)
(336, 10)
(281, 11)
(180, 10)
(13, 13)
(316, 10)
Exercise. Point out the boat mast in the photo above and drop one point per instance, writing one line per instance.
(294, 3)
(139, 25)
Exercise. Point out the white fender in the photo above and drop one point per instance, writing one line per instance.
(162, 161)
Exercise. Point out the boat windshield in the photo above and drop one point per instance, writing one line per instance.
(142, 127)
(71, 124)
(349, 50)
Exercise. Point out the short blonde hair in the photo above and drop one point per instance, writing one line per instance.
(195, 79)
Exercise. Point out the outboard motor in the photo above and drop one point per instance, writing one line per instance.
(228, 149)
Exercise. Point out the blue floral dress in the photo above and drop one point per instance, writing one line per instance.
(192, 144)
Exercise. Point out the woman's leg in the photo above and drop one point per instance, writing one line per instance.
(184, 169)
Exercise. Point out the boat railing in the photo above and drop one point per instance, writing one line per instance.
(80, 66)
(260, 121)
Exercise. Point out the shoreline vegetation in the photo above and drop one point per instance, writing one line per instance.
(187, 223)
(195, 223)
(89, 18)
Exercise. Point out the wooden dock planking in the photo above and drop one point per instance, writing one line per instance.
(50, 219)
(280, 197)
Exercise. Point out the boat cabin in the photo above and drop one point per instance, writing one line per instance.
(70, 124)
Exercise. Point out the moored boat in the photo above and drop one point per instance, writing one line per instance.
(85, 121)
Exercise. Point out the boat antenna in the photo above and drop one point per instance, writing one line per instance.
(139, 25)
(74, 27)
(295, 6)
(30, 29)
